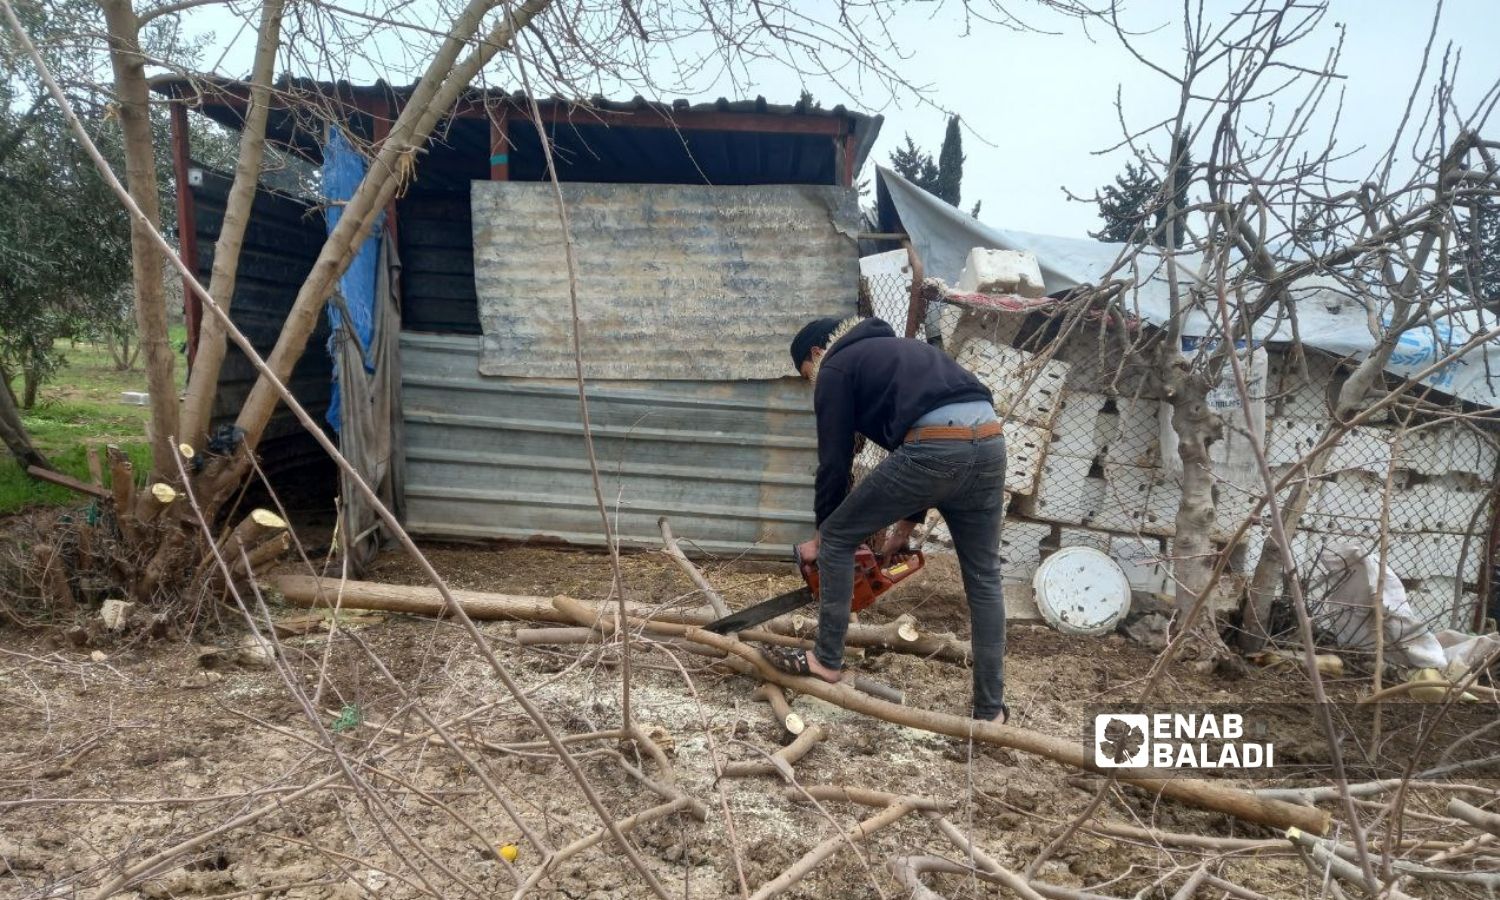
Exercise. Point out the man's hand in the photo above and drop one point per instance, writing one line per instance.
(807, 551)
(895, 541)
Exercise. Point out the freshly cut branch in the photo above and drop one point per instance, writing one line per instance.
(1207, 795)
(783, 759)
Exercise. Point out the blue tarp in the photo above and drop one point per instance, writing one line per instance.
(343, 170)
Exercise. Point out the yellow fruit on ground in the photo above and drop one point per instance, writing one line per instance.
(509, 852)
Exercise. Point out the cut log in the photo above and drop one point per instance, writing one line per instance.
(780, 708)
(253, 530)
(153, 502)
(1479, 818)
(262, 556)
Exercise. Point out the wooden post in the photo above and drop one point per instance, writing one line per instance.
(846, 148)
(916, 306)
(499, 145)
(187, 223)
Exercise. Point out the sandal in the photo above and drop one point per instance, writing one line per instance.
(791, 661)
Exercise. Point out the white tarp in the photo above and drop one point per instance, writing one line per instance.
(1331, 321)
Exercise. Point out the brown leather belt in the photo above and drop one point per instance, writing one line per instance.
(954, 432)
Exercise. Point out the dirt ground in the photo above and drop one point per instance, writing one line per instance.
(112, 758)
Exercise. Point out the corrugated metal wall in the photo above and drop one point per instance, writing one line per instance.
(281, 243)
(709, 281)
(437, 262)
(731, 463)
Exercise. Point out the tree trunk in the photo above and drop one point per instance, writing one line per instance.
(31, 381)
(1197, 426)
(203, 383)
(432, 99)
(133, 98)
(13, 433)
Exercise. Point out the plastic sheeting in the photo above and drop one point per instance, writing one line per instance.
(343, 170)
(1347, 612)
(1327, 318)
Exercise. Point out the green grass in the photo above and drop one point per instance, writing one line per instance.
(78, 407)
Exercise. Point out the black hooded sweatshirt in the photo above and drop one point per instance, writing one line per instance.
(874, 383)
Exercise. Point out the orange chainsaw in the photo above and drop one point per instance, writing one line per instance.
(873, 576)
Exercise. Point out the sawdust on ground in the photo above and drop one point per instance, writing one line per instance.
(149, 721)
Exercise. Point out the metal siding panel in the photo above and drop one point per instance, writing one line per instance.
(730, 462)
(281, 242)
(680, 282)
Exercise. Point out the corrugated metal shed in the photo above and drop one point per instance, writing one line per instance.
(281, 242)
(731, 463)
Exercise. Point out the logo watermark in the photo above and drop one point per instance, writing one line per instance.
(1178, 741)
(1277, 742)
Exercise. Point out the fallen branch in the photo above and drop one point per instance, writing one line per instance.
(674, 552)
(810, 860)
(1204, 794)
(624, 826)
(866, 797)
(1490, 880)
(780, 708)
(1317, 856)
(900, 635)
(1022, 888)
(1196, 841)
(1447, 687)
(1479, 818)
(1420, 780)
(782, 760)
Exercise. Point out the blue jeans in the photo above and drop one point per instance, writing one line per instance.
(965, 481)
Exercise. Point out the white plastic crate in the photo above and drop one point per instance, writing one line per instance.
(1075, 431)
(1145, 562)
(1025, 451)
(989, 271)
(1453, 504)
(1138, 499)
(1084, 537)
(1131, 433)
(1025, 387)
(1064, 492)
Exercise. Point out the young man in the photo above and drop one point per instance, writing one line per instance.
(939, 423)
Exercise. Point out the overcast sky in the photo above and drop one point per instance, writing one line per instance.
(1040, 106)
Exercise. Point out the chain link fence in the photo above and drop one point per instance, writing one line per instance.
(1086, 422)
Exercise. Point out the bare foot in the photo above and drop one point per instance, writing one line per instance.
(822, 671)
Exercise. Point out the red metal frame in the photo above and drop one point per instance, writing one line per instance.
(187, 222)
(499, 145)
